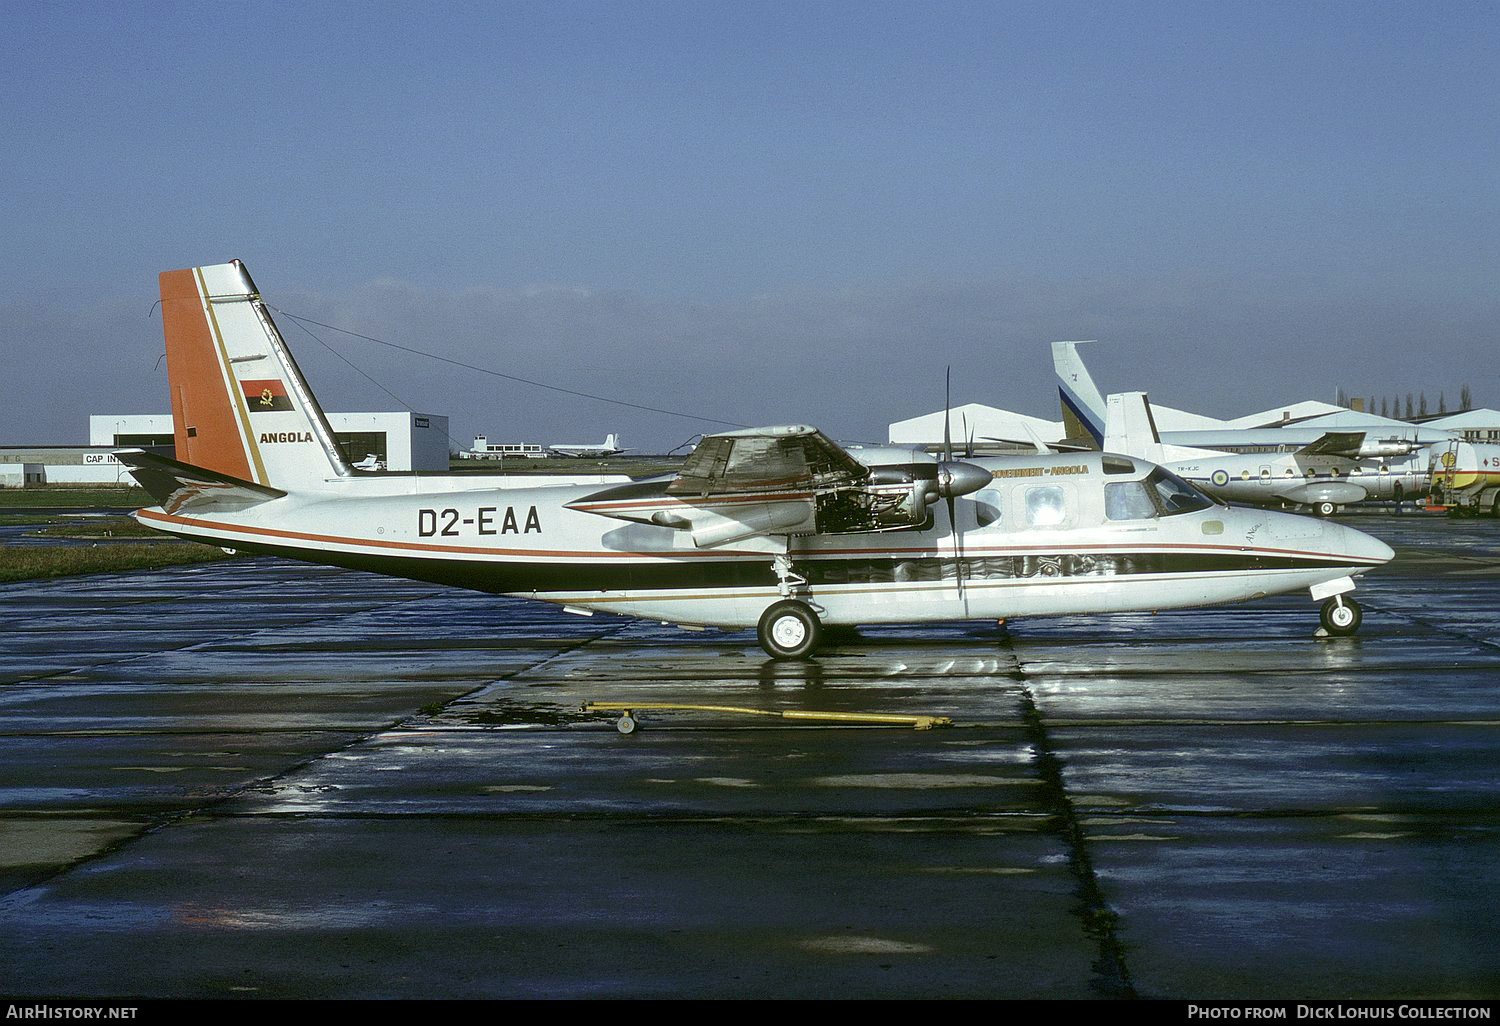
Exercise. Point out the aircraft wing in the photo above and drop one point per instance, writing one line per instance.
(1035, 443)
(1335, 443)
(773, 481)
(766, 459)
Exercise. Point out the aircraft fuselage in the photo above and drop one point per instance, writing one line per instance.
(1305, 480)
(1043, 538)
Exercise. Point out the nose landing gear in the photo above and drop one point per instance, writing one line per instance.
(1340, 616)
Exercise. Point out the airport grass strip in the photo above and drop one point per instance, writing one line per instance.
(37, 562)
(106, 498)
(97, 527)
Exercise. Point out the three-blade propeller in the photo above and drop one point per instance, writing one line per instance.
(955, 477)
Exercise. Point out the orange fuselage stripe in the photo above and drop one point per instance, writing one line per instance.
(975, 552)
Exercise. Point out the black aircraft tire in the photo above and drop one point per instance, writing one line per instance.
(1341, 619)
(789, 630)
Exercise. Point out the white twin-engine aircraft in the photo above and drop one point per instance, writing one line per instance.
(778, 528)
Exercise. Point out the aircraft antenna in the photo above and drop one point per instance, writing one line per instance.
(512, 377)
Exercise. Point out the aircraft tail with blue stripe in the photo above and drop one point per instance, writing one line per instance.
(1083, 410)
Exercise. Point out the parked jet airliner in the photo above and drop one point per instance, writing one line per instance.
(609, 447)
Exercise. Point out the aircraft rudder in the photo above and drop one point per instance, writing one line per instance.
(205, 430)
(1083, 407)
(1130, 427)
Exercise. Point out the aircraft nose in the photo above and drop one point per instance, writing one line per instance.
(1361, 547)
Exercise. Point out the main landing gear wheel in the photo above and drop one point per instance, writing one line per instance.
(789, 630)
(1341, 617)
(1325, 509)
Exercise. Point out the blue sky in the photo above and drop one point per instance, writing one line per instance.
(759, 212)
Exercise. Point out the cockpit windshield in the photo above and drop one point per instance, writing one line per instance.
(1161, 494)
(1174, 495)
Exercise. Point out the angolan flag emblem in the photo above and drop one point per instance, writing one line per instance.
(265, 395)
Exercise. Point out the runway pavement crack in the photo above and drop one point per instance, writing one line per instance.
(1111, 973)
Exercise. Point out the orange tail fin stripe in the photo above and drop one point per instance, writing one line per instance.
(203, 409)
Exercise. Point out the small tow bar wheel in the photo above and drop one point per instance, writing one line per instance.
(789, 630)
(626, 724)
(1341, 617)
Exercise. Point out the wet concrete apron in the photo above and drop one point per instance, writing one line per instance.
(264, 779)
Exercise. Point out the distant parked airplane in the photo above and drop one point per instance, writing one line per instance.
(1083, 410)
(609, 447)
(1324, 474)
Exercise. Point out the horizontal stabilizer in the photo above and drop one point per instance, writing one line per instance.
(180, 486)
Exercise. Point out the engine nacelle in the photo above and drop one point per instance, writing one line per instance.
(896, 495)
(1374, 447)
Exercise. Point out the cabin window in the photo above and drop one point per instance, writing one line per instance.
(1117, 465)
(1045, 507)
(1128, 500)
(986, 508)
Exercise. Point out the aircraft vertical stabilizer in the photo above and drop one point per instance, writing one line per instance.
(1130, 429)
(240, 406)
(1083, 411)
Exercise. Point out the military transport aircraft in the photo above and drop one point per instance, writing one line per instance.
(1083, 410)
(778, 528)
(1323, 474)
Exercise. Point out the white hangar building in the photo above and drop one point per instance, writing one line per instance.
(401, 440)
(992, 429)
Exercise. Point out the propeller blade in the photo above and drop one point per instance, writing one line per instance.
(958, 546)
(947, 415)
